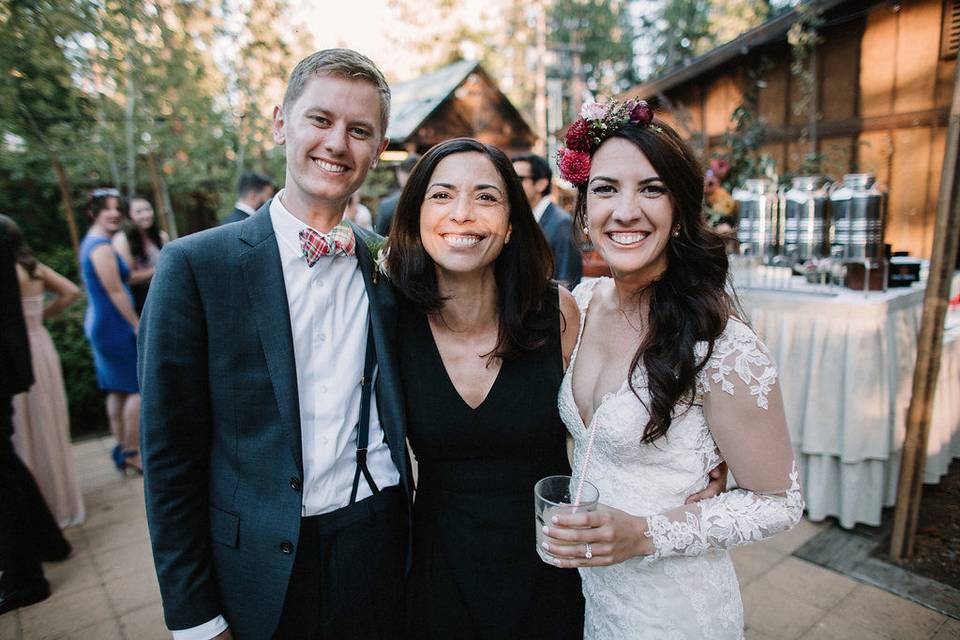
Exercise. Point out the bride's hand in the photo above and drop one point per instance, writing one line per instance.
(613, 536)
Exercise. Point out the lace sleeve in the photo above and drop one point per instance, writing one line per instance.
(744, 411)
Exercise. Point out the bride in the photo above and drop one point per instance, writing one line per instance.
(701, 388)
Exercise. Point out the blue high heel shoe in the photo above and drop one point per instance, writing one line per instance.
(118, 458)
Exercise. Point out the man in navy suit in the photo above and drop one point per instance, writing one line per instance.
(253, 191)
(276, 475)
(537, 180)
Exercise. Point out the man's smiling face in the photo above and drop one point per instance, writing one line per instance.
(332, 134)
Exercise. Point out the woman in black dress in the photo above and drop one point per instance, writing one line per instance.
(484, 339)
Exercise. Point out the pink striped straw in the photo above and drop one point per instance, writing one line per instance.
(586, 463)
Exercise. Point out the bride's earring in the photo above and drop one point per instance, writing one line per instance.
(676, 231)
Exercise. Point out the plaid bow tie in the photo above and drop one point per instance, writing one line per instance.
(339, 241)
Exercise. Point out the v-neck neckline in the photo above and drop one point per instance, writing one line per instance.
(446, 374)
(585, 424)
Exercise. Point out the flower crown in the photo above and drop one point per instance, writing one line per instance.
(596, 123)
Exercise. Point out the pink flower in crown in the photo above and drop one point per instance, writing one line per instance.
(593, 111)
(578, 135)
(574, 165)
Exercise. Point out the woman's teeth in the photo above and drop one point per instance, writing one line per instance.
(461, 241)
(332, 168)
(628, 237)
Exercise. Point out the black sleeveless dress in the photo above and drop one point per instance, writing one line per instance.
(476, 573)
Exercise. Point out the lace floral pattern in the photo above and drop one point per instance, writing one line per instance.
(732, 519)
(688, 588)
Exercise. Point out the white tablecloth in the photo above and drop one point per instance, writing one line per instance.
(846, 364)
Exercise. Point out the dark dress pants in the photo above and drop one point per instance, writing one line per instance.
(348, 575)
(28, 531)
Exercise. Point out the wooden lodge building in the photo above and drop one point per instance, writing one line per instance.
(460, 99)
(879, 95)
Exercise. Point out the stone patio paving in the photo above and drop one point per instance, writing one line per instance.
(107, 589)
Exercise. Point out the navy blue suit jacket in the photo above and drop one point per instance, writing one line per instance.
(557, 226)
(220, 425)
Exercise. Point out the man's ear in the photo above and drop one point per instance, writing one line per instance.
(278, 122)
(541, 185)
(383, 147)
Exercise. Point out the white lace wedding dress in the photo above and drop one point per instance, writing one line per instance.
(688, 588)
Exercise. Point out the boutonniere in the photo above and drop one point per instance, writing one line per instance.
(379, 250)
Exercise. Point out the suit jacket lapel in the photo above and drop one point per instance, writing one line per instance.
(263, 276)
(547, 217)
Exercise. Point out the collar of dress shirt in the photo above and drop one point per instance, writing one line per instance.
(247, 209)
(540, 208)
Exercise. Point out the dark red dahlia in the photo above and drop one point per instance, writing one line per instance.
(578, 135)
(641, 113)
(574, 166)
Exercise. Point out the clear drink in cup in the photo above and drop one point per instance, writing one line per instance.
(556, 494)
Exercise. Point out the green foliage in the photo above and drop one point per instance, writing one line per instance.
(602, 32)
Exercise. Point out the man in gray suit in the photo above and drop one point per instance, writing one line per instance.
(537, 179)
(277, 481)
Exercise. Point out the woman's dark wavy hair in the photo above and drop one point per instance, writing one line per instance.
(99, 200)
(135, 237)
(522, 270)
(21, 250)
(689, 303)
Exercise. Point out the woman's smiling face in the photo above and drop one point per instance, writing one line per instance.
(465, 215)
(629, 211)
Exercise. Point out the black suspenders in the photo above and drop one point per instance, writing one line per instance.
(363, 427)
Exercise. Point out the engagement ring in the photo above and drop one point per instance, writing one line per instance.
(589, 552)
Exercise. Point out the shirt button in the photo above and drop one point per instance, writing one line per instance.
(295, 483)
(324, 441)
(318, 282)
(323, 389)
(322, 337)
(286, 547)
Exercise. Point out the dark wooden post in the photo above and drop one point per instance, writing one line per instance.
(930, 342)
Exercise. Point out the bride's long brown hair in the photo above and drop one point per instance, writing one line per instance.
(689, 302)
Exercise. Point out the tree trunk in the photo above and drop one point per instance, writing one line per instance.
(161, 197)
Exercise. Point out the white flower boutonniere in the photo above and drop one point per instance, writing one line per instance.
(379, 250)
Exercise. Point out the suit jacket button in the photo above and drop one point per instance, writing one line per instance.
(286, 547)
(295, 484)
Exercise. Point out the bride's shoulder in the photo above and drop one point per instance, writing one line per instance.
(584, 291)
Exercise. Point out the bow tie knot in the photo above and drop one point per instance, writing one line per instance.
(315, 245)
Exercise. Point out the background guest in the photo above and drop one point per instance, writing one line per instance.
(537, 180)
(253, 190)
(41, 433)
(139, 245)
(28, 532)
(389, 204)
(111, 323)
(358, 213)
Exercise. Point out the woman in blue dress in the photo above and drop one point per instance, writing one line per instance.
(111, 324)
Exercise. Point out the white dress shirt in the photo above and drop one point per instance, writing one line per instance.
(541, 208)
(328, 320)
(243, 206)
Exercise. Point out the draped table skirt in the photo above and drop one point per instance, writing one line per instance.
(846, 363)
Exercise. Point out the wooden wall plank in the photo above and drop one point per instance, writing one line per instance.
(838, 71)
(772, 97)
(918, 49)
(907, 213)
(878, 49)
(874, 154)
(723, 95)
(837, 156)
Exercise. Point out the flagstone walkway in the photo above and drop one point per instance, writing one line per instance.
(107, 589)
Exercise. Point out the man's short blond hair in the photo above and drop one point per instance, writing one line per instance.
(339, 63)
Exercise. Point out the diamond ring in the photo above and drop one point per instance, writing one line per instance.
(589, 552)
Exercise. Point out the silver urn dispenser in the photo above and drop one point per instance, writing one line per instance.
(759, 209)
(806, 223)
(857, 209)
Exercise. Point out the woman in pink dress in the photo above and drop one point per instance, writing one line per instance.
(41, 433)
